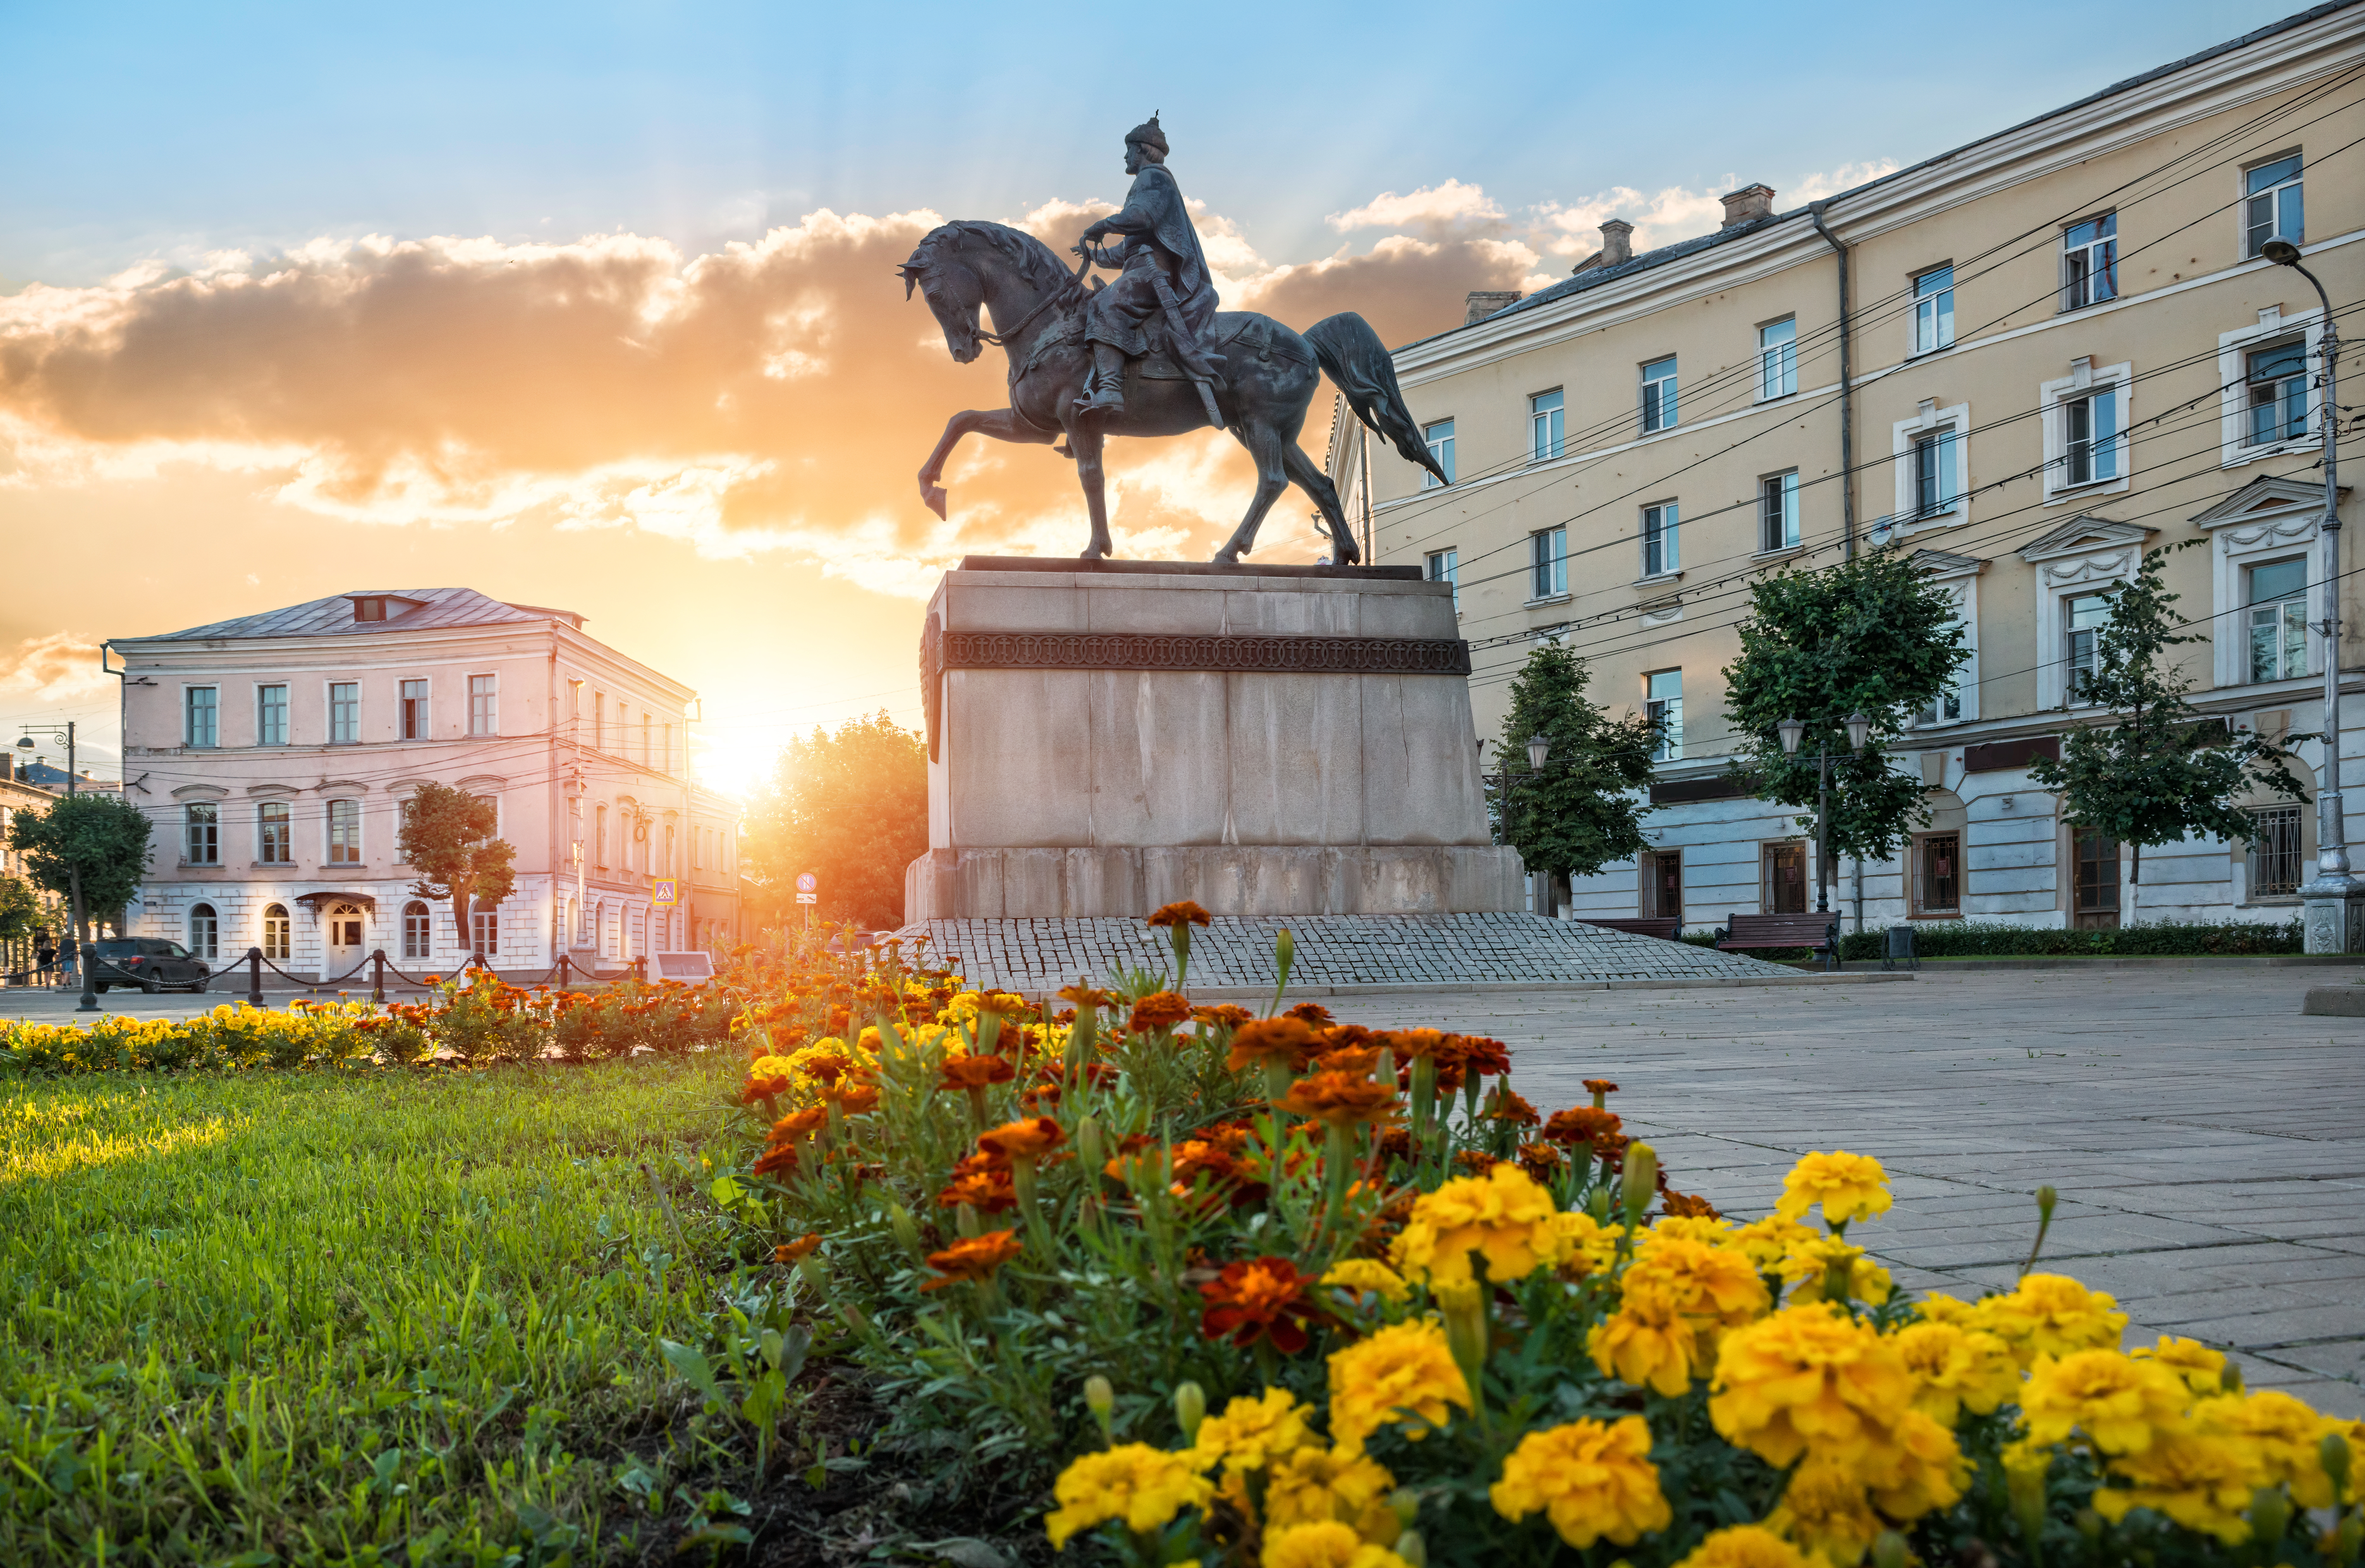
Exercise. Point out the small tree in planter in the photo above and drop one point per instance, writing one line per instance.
(447, 833)
(1584, 810)
(2153, 771)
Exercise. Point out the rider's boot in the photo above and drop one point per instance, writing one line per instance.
(1107, 384)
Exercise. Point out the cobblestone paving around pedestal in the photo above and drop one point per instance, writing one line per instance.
(1332, 949)
(2208, 1142)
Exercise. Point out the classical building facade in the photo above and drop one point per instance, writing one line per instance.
(2061, 346)
(275, 752)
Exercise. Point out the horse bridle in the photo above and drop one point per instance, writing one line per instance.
(1002, 339)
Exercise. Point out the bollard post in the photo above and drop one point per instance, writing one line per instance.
(377, 975)
(641, 969)
(565, 975)
(254, 977)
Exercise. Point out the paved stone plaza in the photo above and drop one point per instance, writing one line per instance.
(2208, 1142)
(1332, 949)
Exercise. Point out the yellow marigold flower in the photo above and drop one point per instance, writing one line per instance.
(1719, 1232)
(2121, 1404)
(1744, 1546)
(1810, 1264)
(1825, 1514)
(2284, 1437)
(2201, 1483)
(1713, 1286)
(1401, 1373)
(2052, 1314)
(1325, 1544)
(1808, 1375)
(1846, 1185)
(1956, 1369)
(1940, 1307)
(1137, 1487)
(1767, 1241)
(1590, 1478)
(1314, 1484)
(1367, 1274)
(1251, 1432)
(1918, 1468)
(1575, 1242)
(1498, 1215)
(2202, 1369)
(1648, 1344)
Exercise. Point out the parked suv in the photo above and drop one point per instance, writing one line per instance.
(148, 962)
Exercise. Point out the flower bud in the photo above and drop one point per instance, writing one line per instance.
(1641, 1180)
(1089, 1152)
(906, 1228)
(1404, 1503)
(2333, 1453)
(1597, 1204)
(1888, 1551)
(1100, 1399)
(2046, 1198)
(1190, 1409)
(2270, 1514)
(965, 1218)
(1413, 1550)
(1285, 950)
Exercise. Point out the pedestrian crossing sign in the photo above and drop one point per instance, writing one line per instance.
(667, 894)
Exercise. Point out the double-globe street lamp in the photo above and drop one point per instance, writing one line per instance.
(1793, 731)
(1539, 748)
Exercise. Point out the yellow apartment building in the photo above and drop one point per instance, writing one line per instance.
(2024, 362)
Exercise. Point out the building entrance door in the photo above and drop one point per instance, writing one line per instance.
(347, 939)
(2094, 903)
(1786, 880)
(1663, 895)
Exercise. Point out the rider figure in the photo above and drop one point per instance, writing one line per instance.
(1163, 274)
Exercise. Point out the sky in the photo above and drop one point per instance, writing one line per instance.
(594, 306)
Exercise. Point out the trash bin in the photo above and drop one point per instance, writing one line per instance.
(1900, 950)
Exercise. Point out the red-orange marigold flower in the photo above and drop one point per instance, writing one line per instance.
(1285, 1040)
(1483, 1057)
(757, 1088)
(1159, 1009)
(1083, 995)
(1477, 1161)
(1506, 1106)
(1310, 1013)
(976, 1073)
(1361, 1060)
(1227, 1016)
(1541, 1160)
(1338, 1099)
(988, 1192)
(1261, 1298)
(1686, 1206)
(1029, 1139)
(1413, 1044)
(855, 1099)
(1183, 913)
(777, 1162)
(974, 1259)
(1582, 1125)
(801, 1124)
(803, 1247)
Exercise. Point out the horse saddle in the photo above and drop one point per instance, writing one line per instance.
(1234, 332)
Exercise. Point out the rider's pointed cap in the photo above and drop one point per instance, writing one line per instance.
(1148, 135)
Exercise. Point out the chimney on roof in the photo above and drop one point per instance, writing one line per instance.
(1483, 302)
(1748, 204)
(1617, 247)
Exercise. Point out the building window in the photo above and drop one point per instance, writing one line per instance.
(1662, 885)
(2274, 851)
(1947, 707)
(2094, 896)
(1937, 474)
(1660, 553)
(2278, 611)
(1545, 412)
(2085, 616)
(1445, 567)
(1777, 511)
(345, 833)
(1548, 559)
(271, 715)
(369, 609)
(274, 842)
(2090, 261)
(2091, 444)
(202, 715)
(204, 932)
(344, 713)
(1933, 309)
(277, 932)
(202, 839)
(2271, 206)
(485, 929)
(1938, 874)
(2277, 382)
(1777, 359)
(598, 721)
(1659, 395)
(1439, 438)
(600, 837)
(1662, 704)
(414, 711)
(1784, 869)
(416, 930)
(484, 705)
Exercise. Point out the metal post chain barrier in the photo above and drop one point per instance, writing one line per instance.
(254, 977)
(377, 976)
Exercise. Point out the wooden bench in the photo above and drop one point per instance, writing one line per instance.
(1818, 934)
(1665, 929)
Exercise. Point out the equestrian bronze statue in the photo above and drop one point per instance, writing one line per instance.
(1149, 355)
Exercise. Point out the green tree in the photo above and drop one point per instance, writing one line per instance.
(91, 847)
(1584, 810)
(447, 833)
(1873, 635)
(2152, 771)
(851, 808)
(20, 910)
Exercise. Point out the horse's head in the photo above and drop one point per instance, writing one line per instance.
(952, 288)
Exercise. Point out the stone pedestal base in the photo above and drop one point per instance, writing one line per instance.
(1232, 879)
(2335, 924)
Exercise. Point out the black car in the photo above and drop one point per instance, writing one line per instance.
(148, 962)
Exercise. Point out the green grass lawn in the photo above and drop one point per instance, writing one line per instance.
(355, 1317)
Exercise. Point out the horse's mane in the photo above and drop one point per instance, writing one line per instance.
(1036, 262)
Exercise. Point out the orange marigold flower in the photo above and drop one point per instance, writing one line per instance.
(1477, 1161)
(1683, 1205)
(1361, 1060)
(1310, 1013)
(1228, 1015)
(1285, 1040)
(1599, 1087)
(1159, 1009)
(825, 1070)
(1261, 1298)
(1541, 1160)
(1183, 913)
(1506, 1106)
(803, 1247)
(1582, 1125)
(777, 1162)
(974, 1259)
(976, 1073)
(1029, 1139)
(1483, 1057)
(855, 1099)
(1083, 995)
(803, 1124)
(988, 1192)
(1338, 1099)
(1412, 1044)
(757, 1088)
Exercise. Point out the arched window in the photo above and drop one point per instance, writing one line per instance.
(204, 932)
(414, 930)
(275, 929)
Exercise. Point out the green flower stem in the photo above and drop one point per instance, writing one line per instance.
(1338, 1158)
(1038, 1234)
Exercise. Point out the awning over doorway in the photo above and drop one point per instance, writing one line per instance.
(315, 901)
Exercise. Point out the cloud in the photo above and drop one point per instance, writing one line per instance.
(1432, 210)
(1673, 212)
(54, 668)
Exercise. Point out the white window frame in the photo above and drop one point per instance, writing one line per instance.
(1665, 407)
(209, 947)
(1668, 707)
(2087, 380)
(1661, 530)
(2234, 351)
(263, 835)
(424, 945)
(1931, 325)
(2246, 618)
(1547, 565)
(490, 714)
(2100, 242)
(426, 701)
(2057, 582)
(1778, 359)
(1961, 585)
(195, 815)
(329, 845)
(1930, 420)
(2237, 544)
(1441, 450)
(1792, 524)
(262, 735)
(278, 944)
(1547, 425)
(189, 712)
(1445, 567)
(329, 690)
(2243, 247)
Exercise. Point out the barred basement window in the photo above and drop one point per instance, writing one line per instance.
(2274, 851)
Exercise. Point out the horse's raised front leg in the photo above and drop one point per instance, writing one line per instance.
(1001, 424)
(1090, 475)
(1264, 444)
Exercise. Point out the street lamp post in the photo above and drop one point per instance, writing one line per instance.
(2334, 912)
(1792, 731)
(89, 1003)
(1539, 748)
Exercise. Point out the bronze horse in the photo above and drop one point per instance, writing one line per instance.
(1268, 379)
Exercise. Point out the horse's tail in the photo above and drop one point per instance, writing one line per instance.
(1352, 355)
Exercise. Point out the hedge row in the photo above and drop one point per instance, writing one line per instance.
(2002, 939)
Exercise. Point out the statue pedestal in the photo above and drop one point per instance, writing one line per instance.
(1105, 737)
